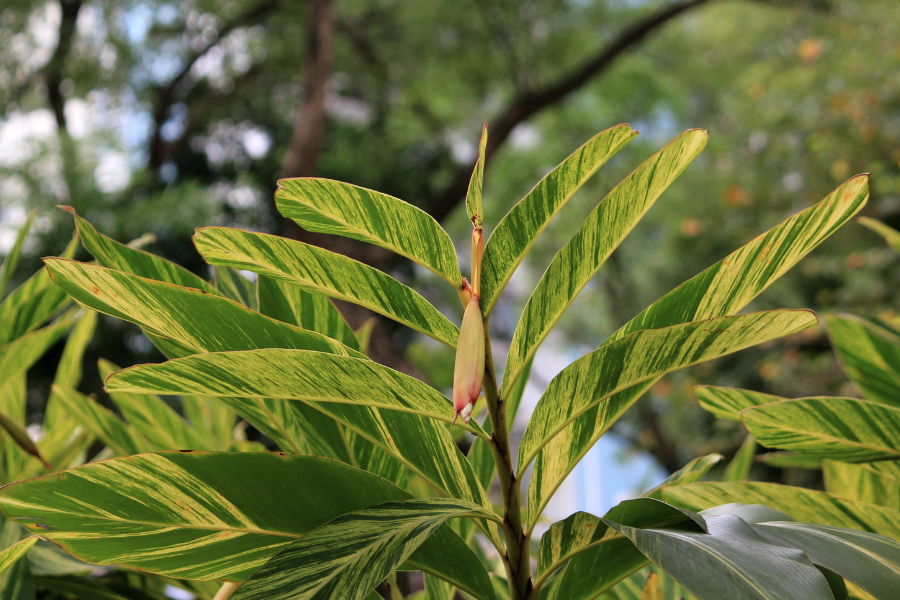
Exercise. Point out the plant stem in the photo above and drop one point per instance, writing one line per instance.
(226, 591)
(393, 589)
(517, 560)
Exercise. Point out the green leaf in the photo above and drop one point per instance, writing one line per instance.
(842, 429)
(100, 421)
(691, 472)
(870, 561)
(641, 356)
(731, 561)
(292, 375)
(875, 483)
(32, 303)
(9, 556)
(212, 420)
(347, 558)
(193, 515)
(727, 402)
(114, 255)
(325, 206)
(292, 304)
(11, 260)
(739, 467)
(790, 460)
(235, 286)
(585, 253)
(566, 538)
(869, 350)
(804, 505)
(190, 317)
(515, 234)
(323, 272)
(890, 235)
(154, 419)
(18, 355)
(474, 204)
(79, 587)
(20, 436)
(69, 371)
(724, 288)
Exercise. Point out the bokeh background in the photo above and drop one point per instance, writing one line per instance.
(152, 116)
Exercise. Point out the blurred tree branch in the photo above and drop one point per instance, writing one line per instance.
(159, 151)
(531, 102)
(53, 70)
(309, 124)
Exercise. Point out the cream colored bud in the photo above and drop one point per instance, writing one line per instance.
(469, 372)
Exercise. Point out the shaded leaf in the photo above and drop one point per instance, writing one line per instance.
(869, 350)
(18, 356)
(474, 204)
(100, 421)
(11, 260)
(689, 473)
(727, 402)
(20, 436)
(235, 286)
(8, 556)
(739, 467)
(890, 235)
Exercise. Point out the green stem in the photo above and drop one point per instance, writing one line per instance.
(517, 559)
(226, 591)
(393, 589)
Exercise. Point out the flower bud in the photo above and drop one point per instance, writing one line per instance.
(469, 372)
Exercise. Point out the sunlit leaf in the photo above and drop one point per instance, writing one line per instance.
(325, 206)
(869, 350)
(514, 235)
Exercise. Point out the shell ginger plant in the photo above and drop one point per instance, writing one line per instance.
(370, 480)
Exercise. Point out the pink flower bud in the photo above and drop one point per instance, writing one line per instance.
(469, 372)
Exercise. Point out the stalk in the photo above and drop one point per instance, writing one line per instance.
(517, 560)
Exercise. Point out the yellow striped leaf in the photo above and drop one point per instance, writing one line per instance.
(517, 231)
(727, 403)
(289, 374)
(325, 206)
(689, 473)
(154, 419)
(869, 350)
(347, 558)
(585, 253)
(114, 255)
(875, 483)
(205, 515)
(739, 467)
(11, 260)
(235, 286)
(188, 316)
(844, 429)
(9, 556)
(804, 505)
(101, 422)
(324, 272)
(69, 370)
(21, 353)
(726, 287)
(292, 304)
(641, 356)
(474, 203)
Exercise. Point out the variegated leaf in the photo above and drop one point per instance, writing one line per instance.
(190, 317)
(114, 255)
(200, 515)
(603, 230)
(875, 483)
(739, 467)
(691, 472)
(154, 419)
(325, 206)
(11, 260)
(724, 288)
(641, 356)
(32, 303)
(347, 558)
(8, 556)
(804, 505)
(235, 286)
(727, 403)
(69, 370)
(517, 231)
(21, 353)
(869, 350)
(101, 422)
(324, 272)
(292, 375)
(292, 304)
(844, 429)
(474, 202)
